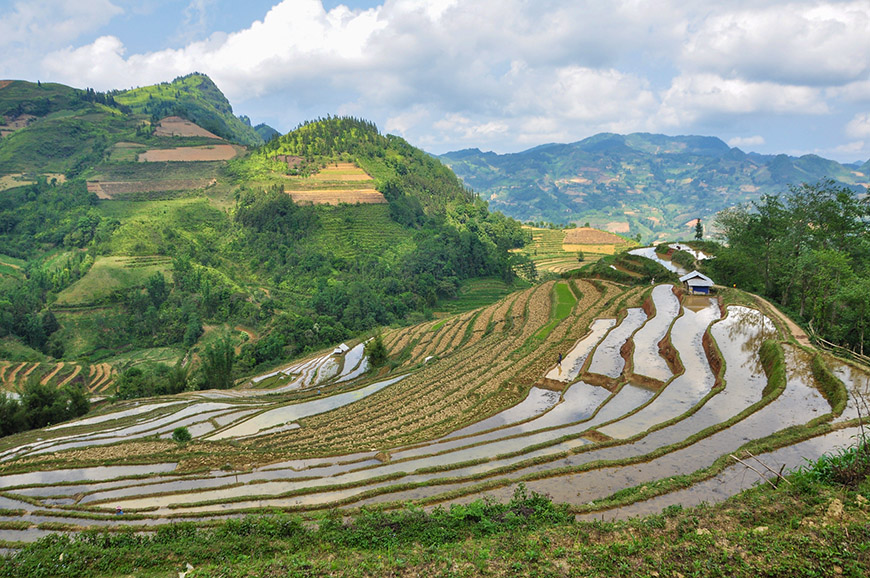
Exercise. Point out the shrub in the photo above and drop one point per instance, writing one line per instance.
(181, 435)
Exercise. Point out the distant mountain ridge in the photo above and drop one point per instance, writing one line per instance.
(651, 184)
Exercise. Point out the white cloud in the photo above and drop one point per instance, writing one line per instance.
(859, 126)
(693, 97)
(794, 43)
(746, 141)
(850, 148)
(35, 26)
(505, 73)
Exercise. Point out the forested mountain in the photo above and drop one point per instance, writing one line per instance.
(196, 98)
(129, 237)
(650, 184)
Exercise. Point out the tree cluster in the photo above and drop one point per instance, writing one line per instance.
(809, 250)
(39, 406)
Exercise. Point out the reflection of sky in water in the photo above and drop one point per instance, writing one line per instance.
(650, 253)
(573, 361)
(647, 360)
(606, 360)
(686, 389)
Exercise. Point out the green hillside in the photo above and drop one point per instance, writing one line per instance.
(106, 252)
(650, 184)
(196, 98)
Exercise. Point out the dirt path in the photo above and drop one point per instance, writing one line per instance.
(798, 333)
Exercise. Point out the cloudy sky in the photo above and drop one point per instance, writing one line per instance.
(505, 75)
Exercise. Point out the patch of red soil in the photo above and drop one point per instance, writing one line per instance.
(177, 126)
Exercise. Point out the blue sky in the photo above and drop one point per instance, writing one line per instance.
(505, 75)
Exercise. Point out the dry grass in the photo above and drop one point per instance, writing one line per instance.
(221, 152)
(177, 126)
(590, 236)
(337, 197)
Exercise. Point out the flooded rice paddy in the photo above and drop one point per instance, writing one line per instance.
(579, 445)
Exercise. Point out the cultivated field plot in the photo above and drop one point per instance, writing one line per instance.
(347, 196)
(557, 386)
(94, 378)
(338, 183)
(121, 189)
(220, 152)
(557, 250)
(177, 126)
(110, 274)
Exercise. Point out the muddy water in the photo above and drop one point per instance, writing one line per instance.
(685, 390)
(735, 478)
(80, 474)
(857, 382)
(606, 360)
(573, 361)
(647, 360)
(537, 402)
(650, 253)
(289, 413)
(114, 415)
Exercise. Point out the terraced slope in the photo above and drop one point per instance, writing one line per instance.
(650, 395)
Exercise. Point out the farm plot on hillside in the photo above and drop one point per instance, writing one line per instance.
(338, 183)
(558, 250)
(220, 152)
(481, 415)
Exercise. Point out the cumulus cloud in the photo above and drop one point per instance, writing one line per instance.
(505, 73)
(694, 96)
(859, 126)
(746, 141)
(795, 43)
(35, 26)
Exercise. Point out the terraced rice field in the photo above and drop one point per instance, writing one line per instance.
(647, 389)
(220, 152)
(335, 184)
(555, 250)
(94, 378)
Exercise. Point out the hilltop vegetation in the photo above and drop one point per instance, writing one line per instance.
(108, 253)
(196, 98)
(809, 250)
(650, 184)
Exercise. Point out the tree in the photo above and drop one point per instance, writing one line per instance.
(376, 351)
(217, 364)
(181, 435)
(699, 230)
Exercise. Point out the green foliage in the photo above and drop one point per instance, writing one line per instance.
(150, 379)
(376, 351)
(217, 364)
(181, 435)
(849, 466)
(193, 97)
(809, 250)
(40, 405)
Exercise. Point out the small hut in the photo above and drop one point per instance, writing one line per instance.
(697, 283)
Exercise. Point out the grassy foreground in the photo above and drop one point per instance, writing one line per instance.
(816, 525)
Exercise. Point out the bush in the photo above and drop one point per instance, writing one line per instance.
(181, 435)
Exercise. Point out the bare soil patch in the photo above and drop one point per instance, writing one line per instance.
(223, 152)
(177, 126)
(618, 227)
(112, 189)
(345, 172)
(15, 123)
(336, 197)
(4, 83)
